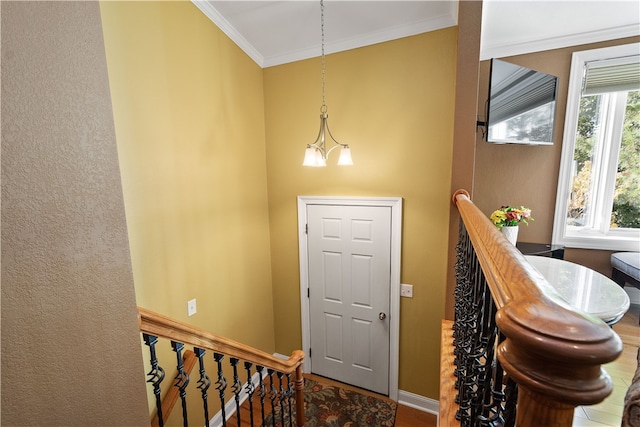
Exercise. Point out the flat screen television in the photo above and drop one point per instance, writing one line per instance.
(522, 105)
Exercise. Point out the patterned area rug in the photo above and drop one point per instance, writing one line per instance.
(331, 406)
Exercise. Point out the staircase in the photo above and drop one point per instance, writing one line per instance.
(250, 387)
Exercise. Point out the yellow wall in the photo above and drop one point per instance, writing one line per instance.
(189, 116)
(393, 104)
(192, 116)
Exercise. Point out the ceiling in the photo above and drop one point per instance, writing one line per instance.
(278, 32)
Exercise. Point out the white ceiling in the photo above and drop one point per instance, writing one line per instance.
(277, 32)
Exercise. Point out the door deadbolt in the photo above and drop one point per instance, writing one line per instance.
(382, 316)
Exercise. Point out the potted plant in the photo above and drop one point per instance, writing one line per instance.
(508, 218)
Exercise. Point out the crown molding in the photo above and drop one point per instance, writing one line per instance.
(207, 8)
(503, 50)
(445, 20)
(431, 24)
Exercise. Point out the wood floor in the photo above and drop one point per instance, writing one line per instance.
(410, 417)
(607, 413)
(621, 370)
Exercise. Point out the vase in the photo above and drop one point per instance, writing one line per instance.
(511, 233)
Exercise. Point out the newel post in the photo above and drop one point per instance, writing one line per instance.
(535, 409)
(551, 351)
(555, 357)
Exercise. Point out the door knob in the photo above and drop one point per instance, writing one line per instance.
(382, 316)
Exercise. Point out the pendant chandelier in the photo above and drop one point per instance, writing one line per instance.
(316, 154)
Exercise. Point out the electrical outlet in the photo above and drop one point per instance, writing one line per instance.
(406, 291)
(191, 307)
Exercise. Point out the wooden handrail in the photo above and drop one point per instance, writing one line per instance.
(169, 401)
(553, 352)
(156, 324)
(159, 325)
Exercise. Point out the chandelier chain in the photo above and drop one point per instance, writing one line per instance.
(324, 105)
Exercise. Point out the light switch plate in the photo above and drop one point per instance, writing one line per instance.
(406, 290)
(191, 307)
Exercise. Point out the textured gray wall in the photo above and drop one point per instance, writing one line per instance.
(70, 343)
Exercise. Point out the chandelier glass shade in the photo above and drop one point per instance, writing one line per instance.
(316, 154)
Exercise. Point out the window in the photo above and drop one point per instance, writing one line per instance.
(598, 200)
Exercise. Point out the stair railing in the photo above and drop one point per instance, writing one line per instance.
(276, 383)
(522, 355)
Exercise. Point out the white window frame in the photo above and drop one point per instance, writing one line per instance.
(598, 235)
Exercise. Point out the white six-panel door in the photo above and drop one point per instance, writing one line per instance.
(349, 263)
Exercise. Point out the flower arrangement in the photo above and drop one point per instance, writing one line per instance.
(508, 216)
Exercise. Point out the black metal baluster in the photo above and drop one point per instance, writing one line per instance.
(463, 312)
(182, 380)
(221, 385)
(203, 383)
(272, 396)
(156, 374)
(511, 398)
(461, 279)
(458, 325)
(500, 391)
(461, 274)
(481, 372)
(236, 387)
(290, 397)
(262, 391)
(282, 397)
(250, 388)
(470, 344)
(472, 359)
(479, 343)
(488, 406)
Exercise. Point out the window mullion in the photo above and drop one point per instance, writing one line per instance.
(613, 141)
(598, 165)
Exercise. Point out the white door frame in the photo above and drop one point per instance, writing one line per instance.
(395, 203)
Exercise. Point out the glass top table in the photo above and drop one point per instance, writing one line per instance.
(583, 288)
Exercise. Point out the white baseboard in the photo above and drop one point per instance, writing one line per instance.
(418, 402)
